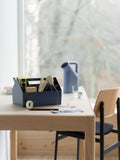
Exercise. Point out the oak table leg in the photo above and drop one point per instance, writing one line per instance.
(13, 145)
(81, 150)
(90, 140)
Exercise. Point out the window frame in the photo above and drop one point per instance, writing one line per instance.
(21, 37)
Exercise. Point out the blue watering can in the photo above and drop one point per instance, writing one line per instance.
(70, 76)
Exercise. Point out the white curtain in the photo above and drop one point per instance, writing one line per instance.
(4, 145)
(8, 59)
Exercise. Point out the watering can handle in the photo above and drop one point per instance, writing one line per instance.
(76, 66)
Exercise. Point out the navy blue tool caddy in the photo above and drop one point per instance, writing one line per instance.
(44, 98)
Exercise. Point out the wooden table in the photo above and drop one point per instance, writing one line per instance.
(14, 118)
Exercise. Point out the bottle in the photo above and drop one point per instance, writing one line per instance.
(70, 76)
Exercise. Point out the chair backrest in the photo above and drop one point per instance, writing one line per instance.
(109, 97)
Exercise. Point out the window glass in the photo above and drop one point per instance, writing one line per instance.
(86, 31)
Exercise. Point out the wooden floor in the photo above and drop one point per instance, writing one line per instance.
(45, 157)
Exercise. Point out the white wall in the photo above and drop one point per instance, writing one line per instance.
(8, 59)
(8, 41)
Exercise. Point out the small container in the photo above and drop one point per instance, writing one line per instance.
(45, 98)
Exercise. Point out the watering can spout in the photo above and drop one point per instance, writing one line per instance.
(70, 76)
(64, 65)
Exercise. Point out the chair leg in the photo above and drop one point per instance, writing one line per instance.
(118, 125)
(102, 131)
(119, 145)
(56, 146)
(102, 149)
(119, 142)
(77, 148)
(119, 151)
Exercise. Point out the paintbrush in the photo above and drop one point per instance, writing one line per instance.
(40, 85)
(51, 83)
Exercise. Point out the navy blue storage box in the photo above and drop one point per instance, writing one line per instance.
(44, 98)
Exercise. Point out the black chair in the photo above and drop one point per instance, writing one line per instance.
(104, 107)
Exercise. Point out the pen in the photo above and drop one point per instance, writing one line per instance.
(43, 86)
